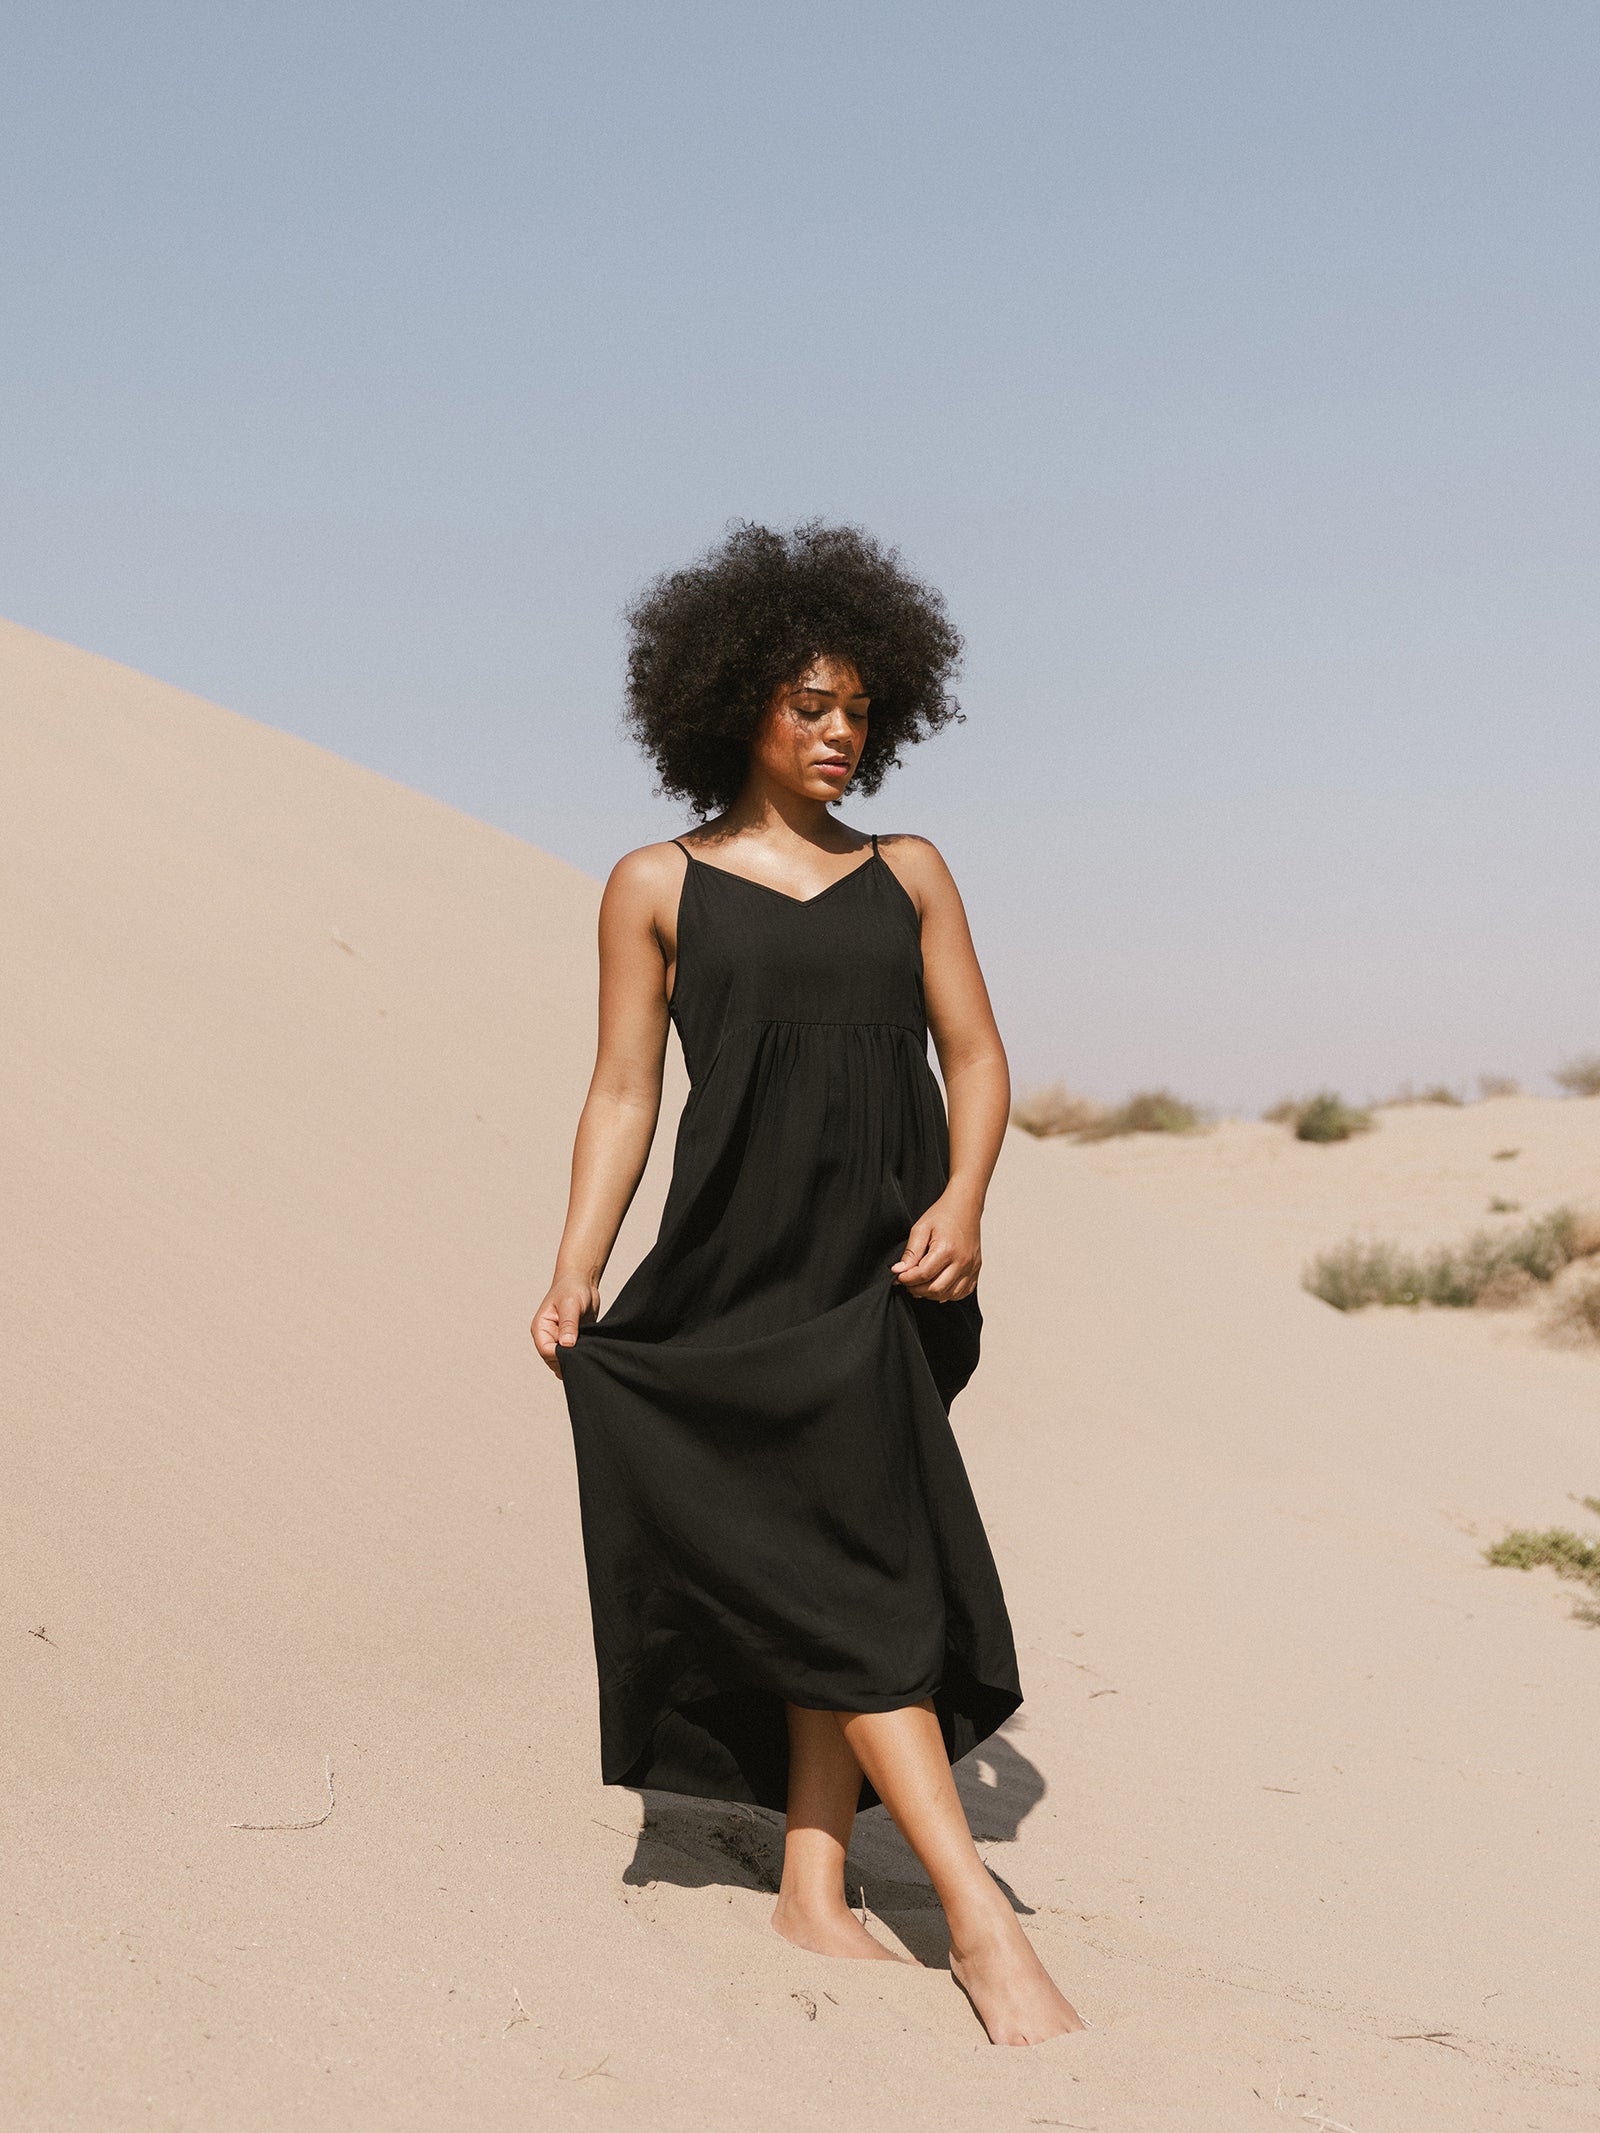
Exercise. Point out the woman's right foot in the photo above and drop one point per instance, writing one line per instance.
(831, 1931)
(1012, 1993)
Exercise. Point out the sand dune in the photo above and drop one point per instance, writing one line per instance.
(1301, 1806)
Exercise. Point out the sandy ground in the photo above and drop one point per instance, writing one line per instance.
(1301, 1808)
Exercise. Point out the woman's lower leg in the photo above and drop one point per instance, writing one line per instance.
(902, 1753)
(824, 1785)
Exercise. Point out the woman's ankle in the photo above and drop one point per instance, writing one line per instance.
(977, 1917)
(812, 1902)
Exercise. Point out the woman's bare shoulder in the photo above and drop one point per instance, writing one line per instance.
(648, 868)
(918, 862)
(642, 888)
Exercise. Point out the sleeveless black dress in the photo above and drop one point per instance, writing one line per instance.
(774, 1507)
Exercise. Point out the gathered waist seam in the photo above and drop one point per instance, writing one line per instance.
(904, 1029)
(824, 1022)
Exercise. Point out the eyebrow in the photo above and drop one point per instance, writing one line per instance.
(860, 696)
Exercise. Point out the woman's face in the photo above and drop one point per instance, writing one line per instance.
(812, 733)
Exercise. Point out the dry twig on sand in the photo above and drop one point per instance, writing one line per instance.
(589, 2073)
(317, 1824)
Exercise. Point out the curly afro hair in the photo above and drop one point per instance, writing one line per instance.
(711, 643)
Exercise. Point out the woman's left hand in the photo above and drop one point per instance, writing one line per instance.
(942, 1256)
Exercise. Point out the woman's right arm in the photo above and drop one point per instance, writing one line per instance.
(618, 1120)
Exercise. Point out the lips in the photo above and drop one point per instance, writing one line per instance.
(834, 768)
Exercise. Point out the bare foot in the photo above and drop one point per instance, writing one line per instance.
(834, 1931)
(1012, 1993)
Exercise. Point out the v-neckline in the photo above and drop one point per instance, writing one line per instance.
(803, 902)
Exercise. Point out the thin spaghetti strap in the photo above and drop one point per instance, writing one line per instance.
(875, 852)
(682, 847)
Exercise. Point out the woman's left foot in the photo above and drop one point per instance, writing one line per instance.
(830, 1932)
(1012, 1993)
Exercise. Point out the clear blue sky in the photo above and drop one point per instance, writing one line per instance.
(1232, 367)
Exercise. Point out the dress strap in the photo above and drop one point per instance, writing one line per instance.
(682, 847)
(875, 852)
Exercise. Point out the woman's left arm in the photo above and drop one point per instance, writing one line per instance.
(944, 1251)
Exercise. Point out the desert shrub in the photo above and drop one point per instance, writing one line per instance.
(1569, 1555)
(1544, 1246)
(1151, 1111)
(1491, 1085)
(1054, 1110)
(1506, 1287)
(1355, 1274)
(1327, 1117)
(1437, 1092)
(1492, 1270)
(1577, 1316)
(1579, 1077)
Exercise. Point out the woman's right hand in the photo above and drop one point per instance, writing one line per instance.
(568, 1304)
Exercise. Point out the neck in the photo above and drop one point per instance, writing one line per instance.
(766, 809)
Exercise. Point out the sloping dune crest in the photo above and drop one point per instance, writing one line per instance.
(1301, 1806)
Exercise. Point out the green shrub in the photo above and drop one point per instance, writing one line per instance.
(1579, 1077)
(1577, 1317)
(1047, 1112)
(1327, 1117)
(1569, 1555)
(1151, 1111)
(1355, 1274)
(1484, 1269)
(1437, 1092)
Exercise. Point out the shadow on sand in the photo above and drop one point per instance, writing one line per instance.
(696, 1844)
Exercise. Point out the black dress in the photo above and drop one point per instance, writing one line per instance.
(774, 1507)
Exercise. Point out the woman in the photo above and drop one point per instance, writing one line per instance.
(794, 1601)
